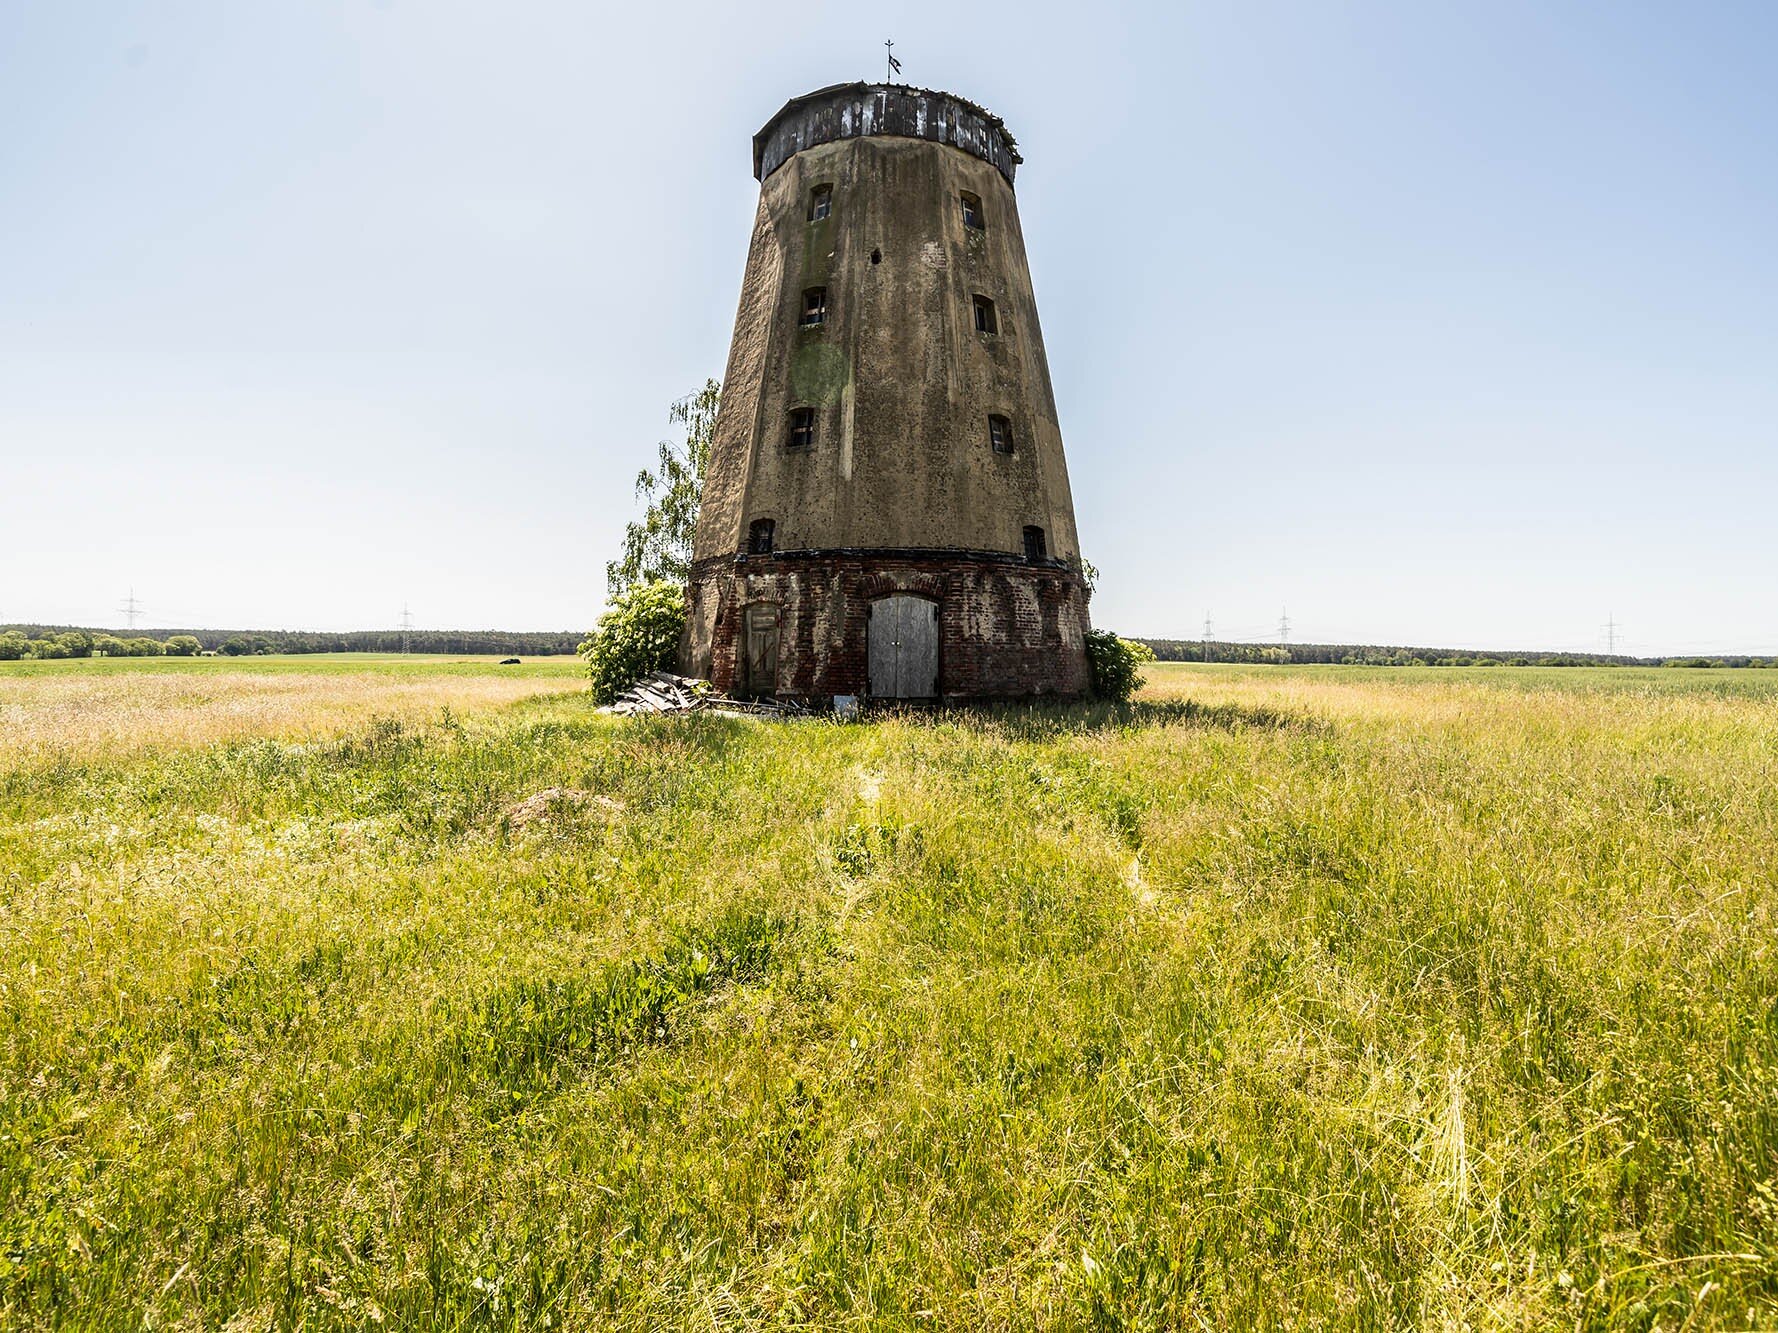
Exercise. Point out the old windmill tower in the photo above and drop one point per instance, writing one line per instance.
(886, 510)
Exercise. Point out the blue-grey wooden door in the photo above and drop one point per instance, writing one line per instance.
(902, 648)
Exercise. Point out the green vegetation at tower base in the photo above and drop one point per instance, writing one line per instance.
(1278, 997)
(639, 634)
(1115, 664)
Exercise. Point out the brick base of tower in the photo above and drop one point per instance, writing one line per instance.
(1007, 629)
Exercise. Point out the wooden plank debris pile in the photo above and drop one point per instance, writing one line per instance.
(663, 692)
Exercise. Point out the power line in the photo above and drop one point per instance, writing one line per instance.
(1284, 626)
(131, 608)
(407, 624)
(1206, 636)
(1610, 634)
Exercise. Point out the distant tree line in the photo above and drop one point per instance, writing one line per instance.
(1348, 654)
(52, 641)
(1737, 661)
(16, 644)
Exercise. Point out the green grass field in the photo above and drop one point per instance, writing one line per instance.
(1286, 997)
(354, 664)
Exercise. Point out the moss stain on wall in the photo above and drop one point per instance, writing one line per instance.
(819, 373)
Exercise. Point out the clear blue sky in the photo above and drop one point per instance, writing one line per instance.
(1434, 323)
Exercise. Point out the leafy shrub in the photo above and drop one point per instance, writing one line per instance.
(639, 634)
(184, 645)
(1138, 650)
(1115, 674)
(13, 646)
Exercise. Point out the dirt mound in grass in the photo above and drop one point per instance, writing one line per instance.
(555, 802)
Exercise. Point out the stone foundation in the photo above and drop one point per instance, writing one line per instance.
(1008, 628)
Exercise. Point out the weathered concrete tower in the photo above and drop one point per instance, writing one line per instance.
(886, 510)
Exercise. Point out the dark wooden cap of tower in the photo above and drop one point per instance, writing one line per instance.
(851, 110)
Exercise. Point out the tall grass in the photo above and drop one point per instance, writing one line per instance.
(1276, 999)
(81, 707)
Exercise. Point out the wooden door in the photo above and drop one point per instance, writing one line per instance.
(902, 648)
(759, 662)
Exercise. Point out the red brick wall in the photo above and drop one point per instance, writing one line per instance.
(1007, 630)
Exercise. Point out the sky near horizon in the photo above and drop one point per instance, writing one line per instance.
(1438, 324)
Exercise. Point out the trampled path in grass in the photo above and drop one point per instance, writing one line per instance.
(1285, 997)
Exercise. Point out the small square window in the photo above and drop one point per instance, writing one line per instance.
(802, 428)
(814, 307)
(820, 202)
(1034, 547)
(972, 211)
(759, 536)
(985, 322)
(1000, 434)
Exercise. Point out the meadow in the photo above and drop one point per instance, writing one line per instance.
(416, 994)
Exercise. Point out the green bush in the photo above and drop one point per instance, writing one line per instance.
(13, 646)
(184, 645)
(639, 634)
(1138, 650)
(1115, 674)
